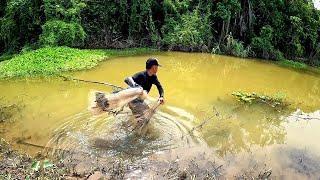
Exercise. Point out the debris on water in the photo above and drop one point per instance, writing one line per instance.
(277, 100)
(97, 175)
(9, 111)
(82, 169)
(300, 115)
(255, 173)
(16, 165)
(265, 175)
(204, 122)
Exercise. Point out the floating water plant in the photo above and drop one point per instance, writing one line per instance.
(277, 100)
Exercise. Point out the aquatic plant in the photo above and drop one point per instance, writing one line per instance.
(274, 101)
(54, 60)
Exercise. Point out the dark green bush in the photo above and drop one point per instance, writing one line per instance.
(273, 29)
(263, 47)
(191, 31)
(20, 24)
(58, 33)
(64, 10)
(234, 47)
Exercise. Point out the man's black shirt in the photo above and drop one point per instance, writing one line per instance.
(145, 81)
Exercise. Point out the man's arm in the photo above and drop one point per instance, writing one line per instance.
(133, 81)
(160, 89)
(130, 82)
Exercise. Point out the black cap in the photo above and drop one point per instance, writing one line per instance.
(150, 62)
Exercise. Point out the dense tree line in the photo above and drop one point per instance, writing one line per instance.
(269, 29)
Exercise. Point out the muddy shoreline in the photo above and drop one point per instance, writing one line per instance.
(77, 165)
(194, 163)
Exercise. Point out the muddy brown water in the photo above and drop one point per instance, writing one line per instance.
(55, 114)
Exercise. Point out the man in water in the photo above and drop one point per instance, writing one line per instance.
(145, 79)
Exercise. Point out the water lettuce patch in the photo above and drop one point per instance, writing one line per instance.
(277, 100)
(54, 60)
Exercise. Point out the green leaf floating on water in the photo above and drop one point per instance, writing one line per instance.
(247, 99)
(35, 165)
(47, 164)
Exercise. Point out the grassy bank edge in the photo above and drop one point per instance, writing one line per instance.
(298, 66)
(55, 60)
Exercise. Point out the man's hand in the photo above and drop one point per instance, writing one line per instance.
(161, 100)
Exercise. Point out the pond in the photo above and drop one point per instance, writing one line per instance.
(53, 113)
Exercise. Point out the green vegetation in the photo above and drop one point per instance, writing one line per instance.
(6, 57)
(274, 29)
(293, 64)
(45, 164)
(262, 45)
(277, 100)
(235, 47)
(57, 33)
(49, 61)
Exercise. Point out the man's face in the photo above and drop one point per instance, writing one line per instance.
(154, 69)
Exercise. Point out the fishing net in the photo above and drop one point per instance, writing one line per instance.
(142, 112)
(103, 102)
(115, 102)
